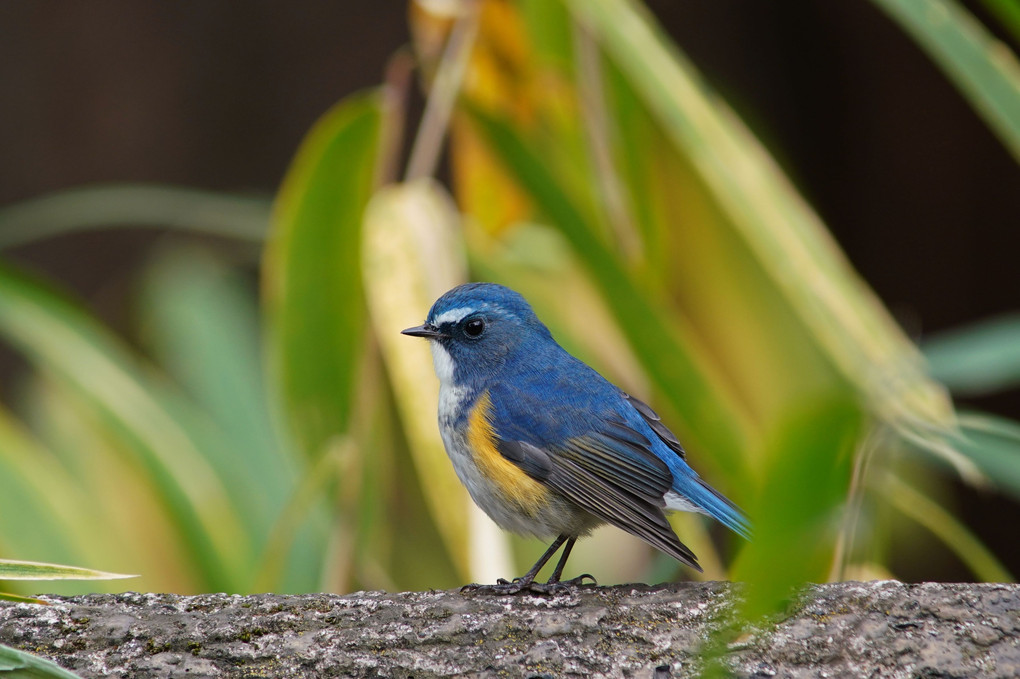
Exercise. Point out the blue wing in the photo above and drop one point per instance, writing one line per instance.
(611, 478)
(606, 451)
(569, 439)
(686, 481)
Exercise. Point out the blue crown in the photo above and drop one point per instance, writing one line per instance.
(485, 297)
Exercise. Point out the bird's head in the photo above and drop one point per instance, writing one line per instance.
(475, 329)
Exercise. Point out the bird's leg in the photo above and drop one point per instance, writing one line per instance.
(526, 581)
(558, 571)
(555, 579)
(529, 577)
(554, 585)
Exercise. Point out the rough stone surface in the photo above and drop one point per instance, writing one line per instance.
(876, 629)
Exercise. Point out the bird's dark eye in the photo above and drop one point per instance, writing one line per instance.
(474, 327)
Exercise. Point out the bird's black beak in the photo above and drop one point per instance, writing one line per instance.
(428, 331)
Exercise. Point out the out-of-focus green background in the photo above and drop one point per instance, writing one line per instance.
(216, 216)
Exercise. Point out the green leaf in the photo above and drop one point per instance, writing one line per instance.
(63, 341)
(15, 664)
(34, 570)
(312, 276)
(803, 484)
(983, 68)
(993, 443)
(982, 358)
(134, 205)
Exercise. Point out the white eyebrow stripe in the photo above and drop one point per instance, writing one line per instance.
(453, 315)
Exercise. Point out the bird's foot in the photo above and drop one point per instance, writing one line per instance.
(517, 585)
(502, 586)
(564, 586)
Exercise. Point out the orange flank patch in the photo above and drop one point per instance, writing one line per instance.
(513, 484)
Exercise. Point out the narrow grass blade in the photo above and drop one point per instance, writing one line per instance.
(18, 599)
(244, 218)
(311, 272)
(62, 340)
(928, 513)
(984, 69)
(982, 358)
(34, 570)
(15, 664)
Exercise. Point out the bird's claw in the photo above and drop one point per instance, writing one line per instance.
(502, 586)
(564, 586)
(517, 585)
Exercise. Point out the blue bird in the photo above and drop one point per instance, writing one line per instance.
(544, 444)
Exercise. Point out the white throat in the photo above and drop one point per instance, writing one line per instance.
(451, 395)
(443, 363)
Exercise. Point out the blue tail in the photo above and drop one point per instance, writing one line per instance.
(694, 489)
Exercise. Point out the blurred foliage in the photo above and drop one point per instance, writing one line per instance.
(980, 359)
(288, 442)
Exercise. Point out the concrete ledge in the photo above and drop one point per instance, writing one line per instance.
(880, 629)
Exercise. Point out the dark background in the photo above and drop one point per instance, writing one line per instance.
(217, 95)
